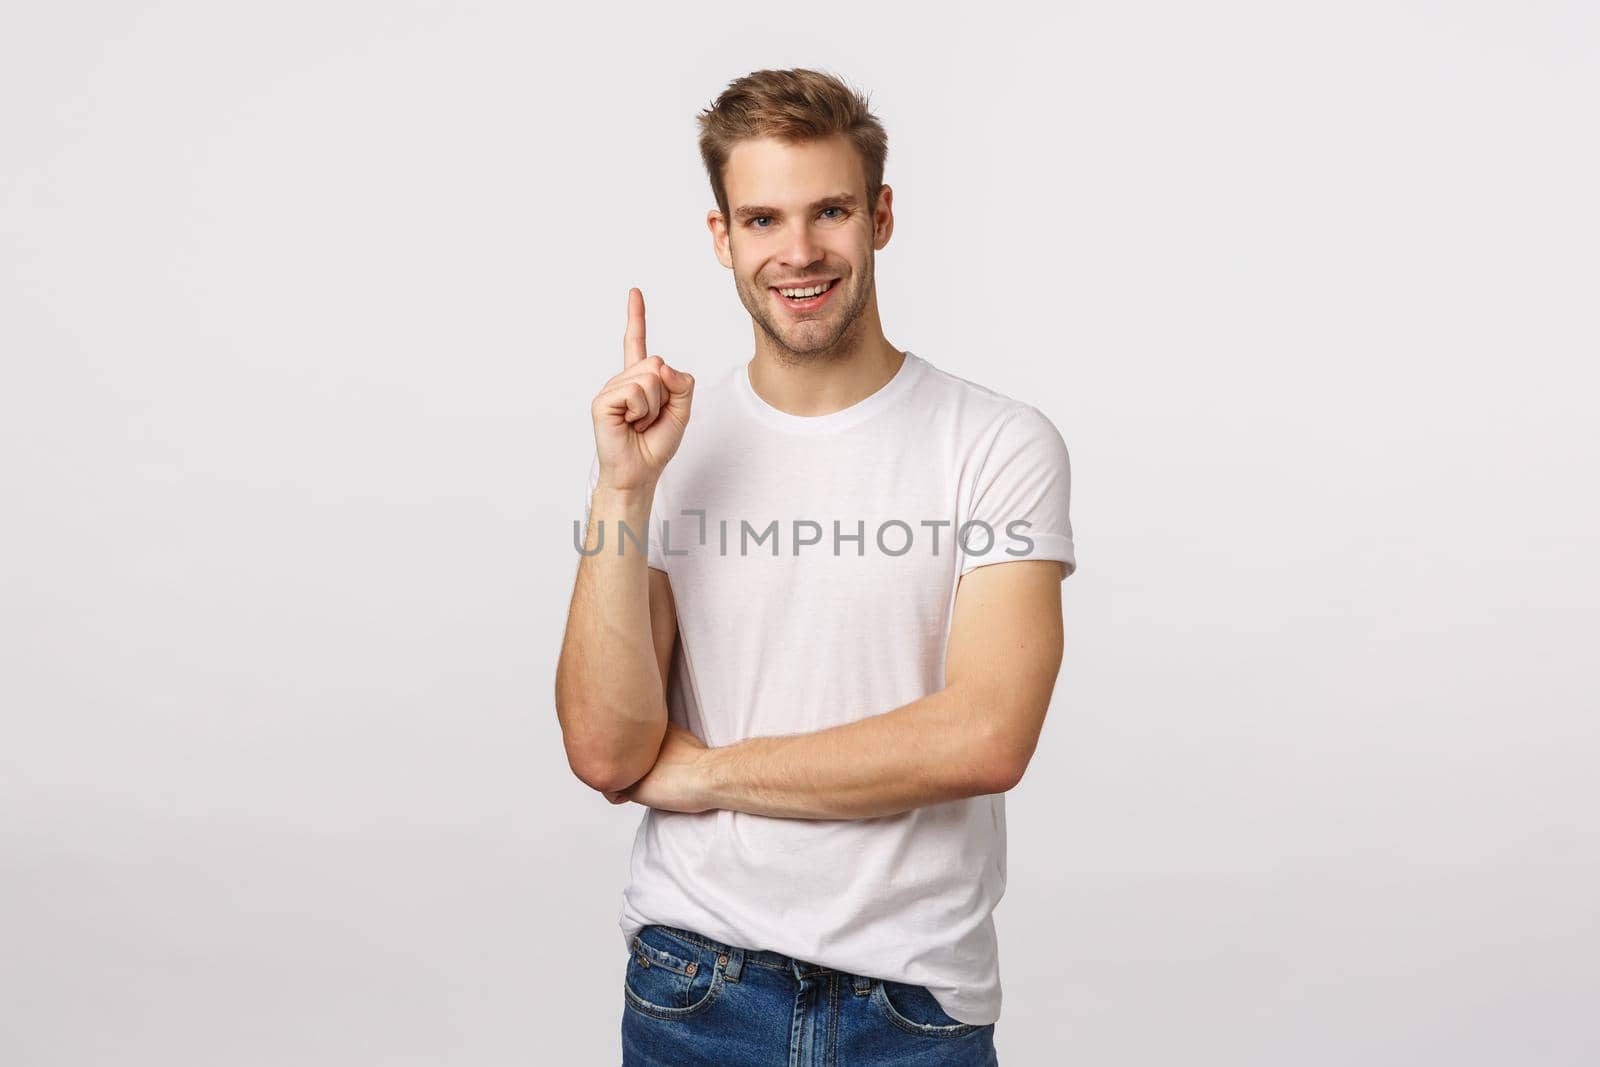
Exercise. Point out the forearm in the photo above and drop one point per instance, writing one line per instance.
(935, 749)
(609, 696)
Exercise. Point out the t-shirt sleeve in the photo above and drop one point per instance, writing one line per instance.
(654, 557)
(1023, 495)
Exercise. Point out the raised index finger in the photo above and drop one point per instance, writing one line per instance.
(633, 339)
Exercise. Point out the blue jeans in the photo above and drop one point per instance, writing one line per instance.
(690, 1001)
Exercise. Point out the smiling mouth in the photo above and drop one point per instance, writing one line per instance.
(806, 303)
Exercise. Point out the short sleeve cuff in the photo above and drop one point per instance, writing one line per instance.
(1045, 546)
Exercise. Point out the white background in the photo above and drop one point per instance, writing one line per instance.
(302, 307)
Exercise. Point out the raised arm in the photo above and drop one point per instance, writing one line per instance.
(621, 623)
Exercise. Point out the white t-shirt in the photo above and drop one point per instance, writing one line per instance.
(817, 589)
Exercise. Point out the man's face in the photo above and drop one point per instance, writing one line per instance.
(798, 214)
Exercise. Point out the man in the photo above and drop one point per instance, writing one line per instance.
(815, 636)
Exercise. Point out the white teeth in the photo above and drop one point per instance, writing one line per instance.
(800, 294)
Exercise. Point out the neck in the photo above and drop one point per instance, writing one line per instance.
(820, 383)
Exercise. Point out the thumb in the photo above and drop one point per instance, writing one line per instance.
(677, 382)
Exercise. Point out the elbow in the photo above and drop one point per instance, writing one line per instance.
(1002, 778)
(999, 731)
(597, 770)
(608, 765)
(601, 772)
(602, 777)
(1006, 761)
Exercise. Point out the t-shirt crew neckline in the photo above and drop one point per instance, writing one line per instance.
(910, 367)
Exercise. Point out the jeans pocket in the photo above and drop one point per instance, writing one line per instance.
(670, 978)
(914, 1008)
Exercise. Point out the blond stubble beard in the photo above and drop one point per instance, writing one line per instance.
(841, 346)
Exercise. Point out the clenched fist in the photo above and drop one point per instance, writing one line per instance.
(641, 413)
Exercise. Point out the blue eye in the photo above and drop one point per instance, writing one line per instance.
(754, 220)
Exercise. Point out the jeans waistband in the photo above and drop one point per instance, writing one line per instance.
(738, 956)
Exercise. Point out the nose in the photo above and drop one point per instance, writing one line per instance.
(801, 248)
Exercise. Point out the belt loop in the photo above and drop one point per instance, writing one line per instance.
(735, 964)
(863, 985)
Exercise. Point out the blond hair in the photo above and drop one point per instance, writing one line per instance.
(790, 105)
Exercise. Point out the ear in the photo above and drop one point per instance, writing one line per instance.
(719, 238)
(883, 218)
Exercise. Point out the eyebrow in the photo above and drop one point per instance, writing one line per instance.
(837, 200)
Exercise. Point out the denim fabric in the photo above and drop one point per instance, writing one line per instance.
(690, 1001)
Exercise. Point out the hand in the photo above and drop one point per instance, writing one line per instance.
(641, 413)
(680, 779)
